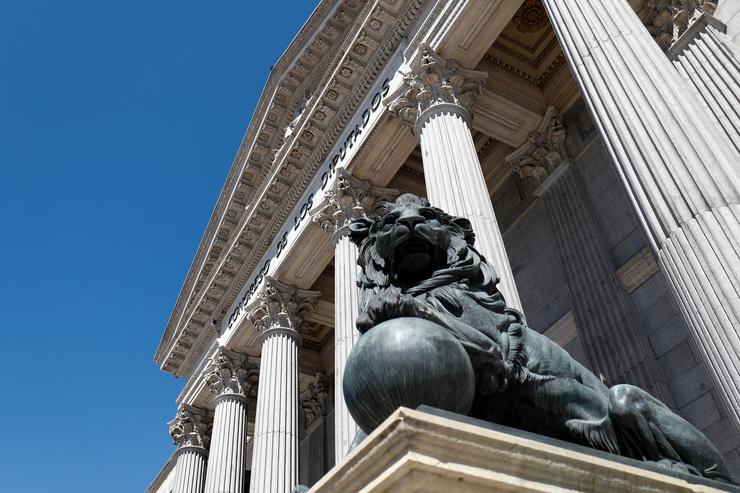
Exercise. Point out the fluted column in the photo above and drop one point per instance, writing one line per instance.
(680, 170)
(189, 430)
(278, 316)
(612, 343)
(707, 59)
(230, 378)
(436, 99)
(346, 199)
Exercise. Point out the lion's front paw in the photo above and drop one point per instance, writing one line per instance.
(388, 304)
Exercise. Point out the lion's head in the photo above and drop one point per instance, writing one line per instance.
(415, 247)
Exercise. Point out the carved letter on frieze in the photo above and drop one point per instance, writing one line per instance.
(230, 373)
(543, 152)
(432, 81)
(189, 428)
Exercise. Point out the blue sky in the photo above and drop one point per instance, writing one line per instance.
(118, 124)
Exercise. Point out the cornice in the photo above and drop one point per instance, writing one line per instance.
(380, 29)
(274, 111)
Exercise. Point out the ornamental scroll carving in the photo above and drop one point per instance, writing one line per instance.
(189, 428)
(281, 306)
(667, 20)
(313, 404)
(349, 198)
(543, 152)
(230, 373)
(434, 80)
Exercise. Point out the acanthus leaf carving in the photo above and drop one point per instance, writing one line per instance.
(434, 80)
(349, 198)
(543, 152)
(230, 372)
(313, 404)
(667, 20)
(281, 306)
(190, 428)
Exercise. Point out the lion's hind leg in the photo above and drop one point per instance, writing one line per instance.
(598, 433)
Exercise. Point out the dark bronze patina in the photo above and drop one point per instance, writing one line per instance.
(417, 261)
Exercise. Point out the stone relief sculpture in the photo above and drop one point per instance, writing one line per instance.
(436, 331)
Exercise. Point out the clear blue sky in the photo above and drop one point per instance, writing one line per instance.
(118, 124)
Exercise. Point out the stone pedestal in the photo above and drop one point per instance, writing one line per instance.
(417, 451)
(346, 199)
(678, 167)
(275, 452)
(436, 99)
(228, 379)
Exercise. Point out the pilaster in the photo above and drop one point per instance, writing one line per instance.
(677, 165)
(613, 345)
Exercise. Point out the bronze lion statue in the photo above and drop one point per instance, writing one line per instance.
(417, 261)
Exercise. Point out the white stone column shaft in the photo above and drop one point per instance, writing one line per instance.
(190, 470)
(227, 461)
(345, 337)
(455, 183)
(228, 377)
(711, 64)
(680, 170)
(436, 98)
(345, 199)
(275, 451)
(278, 315)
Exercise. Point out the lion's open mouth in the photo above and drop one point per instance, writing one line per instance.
(415, 260)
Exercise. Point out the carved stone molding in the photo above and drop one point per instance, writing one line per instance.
(543, 152)
(433, 81)
(349, 198)
(280, 306)
(229, 372)
(531, 17)
(313, 404)
(190, 428)
(667, 20)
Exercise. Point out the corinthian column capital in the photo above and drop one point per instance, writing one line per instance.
(281, 308)
(312, 405)
(349, 198)
(189, 428)
(667, 20)
(543, 152)
(229, 372)
(435, 81)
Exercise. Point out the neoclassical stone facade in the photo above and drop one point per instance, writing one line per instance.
(594, 147)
